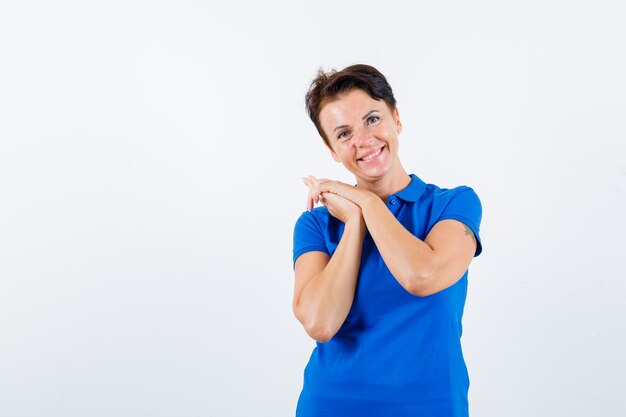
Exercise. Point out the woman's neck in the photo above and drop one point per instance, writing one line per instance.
(389, 184)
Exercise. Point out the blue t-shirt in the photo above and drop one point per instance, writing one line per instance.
(396, 354)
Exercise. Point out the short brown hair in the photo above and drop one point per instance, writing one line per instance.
(327, 86)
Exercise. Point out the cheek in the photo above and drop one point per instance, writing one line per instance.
(345, 155)
(383, 133)
(390, 132)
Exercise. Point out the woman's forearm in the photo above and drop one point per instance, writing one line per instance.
(326, 300)
(408, 258)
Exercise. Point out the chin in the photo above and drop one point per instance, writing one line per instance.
(373, 174)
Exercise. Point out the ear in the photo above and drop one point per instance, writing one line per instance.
(396, 117)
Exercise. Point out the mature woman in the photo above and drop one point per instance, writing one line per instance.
(381, 267)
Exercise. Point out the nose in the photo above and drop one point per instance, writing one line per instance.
(362, 137)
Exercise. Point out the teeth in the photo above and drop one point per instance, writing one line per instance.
(369, 157)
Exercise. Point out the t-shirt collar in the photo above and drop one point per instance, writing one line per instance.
(413, 191)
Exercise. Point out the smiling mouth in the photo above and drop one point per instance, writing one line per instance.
(371, 156)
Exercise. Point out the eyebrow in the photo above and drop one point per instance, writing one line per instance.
(368, 113)
(362, 118)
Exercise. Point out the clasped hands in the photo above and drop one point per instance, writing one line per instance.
(343, 201)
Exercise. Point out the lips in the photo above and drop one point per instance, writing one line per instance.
(371, 155)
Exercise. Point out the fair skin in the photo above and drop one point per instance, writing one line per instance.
(363, 136)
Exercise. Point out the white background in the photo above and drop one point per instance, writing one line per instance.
(150, 163)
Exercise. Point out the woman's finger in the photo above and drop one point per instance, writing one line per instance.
(314, 191)
(311, 198)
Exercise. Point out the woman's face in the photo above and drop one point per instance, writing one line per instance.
(363, 134)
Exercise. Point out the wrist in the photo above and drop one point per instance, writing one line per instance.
(368, 200)
(356, 221)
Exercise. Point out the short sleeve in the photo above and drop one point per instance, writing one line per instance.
(308, 235)
(465, 207)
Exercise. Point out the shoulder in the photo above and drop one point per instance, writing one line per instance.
(447, 194)
(312, 222)
(442, 197)
(459, 203)
(428, 192)
(318, 216)
(309, 232)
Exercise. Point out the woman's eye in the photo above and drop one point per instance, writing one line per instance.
(343, 135)
(373, 119)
